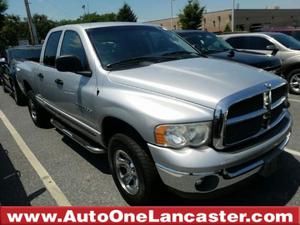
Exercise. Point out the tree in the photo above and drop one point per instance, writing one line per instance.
(43, 24)
(10, 31)
(126, 14)
(227, 28)
(3, 8)
(94, 17)
(191, 17)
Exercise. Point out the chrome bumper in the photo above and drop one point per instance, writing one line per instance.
(215, 170)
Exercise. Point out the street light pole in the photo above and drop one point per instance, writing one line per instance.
(233, 16)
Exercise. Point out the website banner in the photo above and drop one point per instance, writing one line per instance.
(149, 215)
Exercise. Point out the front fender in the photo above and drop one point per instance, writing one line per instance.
(145, 110)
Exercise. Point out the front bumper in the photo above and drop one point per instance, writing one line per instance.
(206, 170)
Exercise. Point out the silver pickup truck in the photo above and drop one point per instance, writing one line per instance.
(162, 112)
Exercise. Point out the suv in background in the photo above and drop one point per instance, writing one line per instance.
(215, 47)
(286, 48)
(294, 32)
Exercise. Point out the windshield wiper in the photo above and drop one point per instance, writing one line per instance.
(135, 60)
(180, 53)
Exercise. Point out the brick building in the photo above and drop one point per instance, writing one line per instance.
(245, 19)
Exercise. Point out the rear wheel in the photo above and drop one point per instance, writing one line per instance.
(19, 97)
(133, 170)
(39, 116)
(294, 81)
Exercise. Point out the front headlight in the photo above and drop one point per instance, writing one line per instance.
(182, 135)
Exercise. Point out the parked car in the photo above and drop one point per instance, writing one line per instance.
(2, 63)
(8, 70)
(215, 47)
(286, 48)
(161, 111)
(294, 32)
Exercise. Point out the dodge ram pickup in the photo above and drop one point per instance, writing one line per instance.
(161, 112)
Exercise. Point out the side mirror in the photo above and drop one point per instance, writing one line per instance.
(70, 63)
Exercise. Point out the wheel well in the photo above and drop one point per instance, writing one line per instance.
(290, 69)
(27, 87)
(112, 125)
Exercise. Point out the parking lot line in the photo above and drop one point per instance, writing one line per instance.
(293, 152)
(49, 183)
(294, 100)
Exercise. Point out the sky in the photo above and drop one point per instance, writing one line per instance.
(146, 10)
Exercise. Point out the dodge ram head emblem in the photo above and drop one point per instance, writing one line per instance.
(268, 106)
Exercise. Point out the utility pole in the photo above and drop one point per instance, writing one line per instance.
(172, 15)
(233, 16)
(31, 26)
(88, 6)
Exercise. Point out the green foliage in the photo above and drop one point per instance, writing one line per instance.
(43, 25)
(3, 8)
(13, 28)
(227, 28)
(10, 31)
(94, 17)
(191, 17)
(126, 14)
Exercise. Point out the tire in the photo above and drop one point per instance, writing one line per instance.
(4, 87)
(40, 117)
(142, 168)
(294, 81)
(18, 95)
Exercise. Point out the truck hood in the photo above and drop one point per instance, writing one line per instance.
(199, 80)
(253, 59)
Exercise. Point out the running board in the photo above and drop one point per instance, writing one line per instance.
(84, 143)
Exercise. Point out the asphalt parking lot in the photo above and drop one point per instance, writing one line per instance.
(84, 179)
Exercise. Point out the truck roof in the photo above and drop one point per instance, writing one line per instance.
(101, 24)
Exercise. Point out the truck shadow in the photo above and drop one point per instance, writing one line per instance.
(276, 190)
(100, 161)
(12, 192)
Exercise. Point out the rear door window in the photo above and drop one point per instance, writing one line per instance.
(238, 42)
(51, 49)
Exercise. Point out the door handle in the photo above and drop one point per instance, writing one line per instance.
(40, 75)
(59, 82)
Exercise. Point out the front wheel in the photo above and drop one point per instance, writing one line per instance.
(38, 114)
(133, 170)
(294, 81)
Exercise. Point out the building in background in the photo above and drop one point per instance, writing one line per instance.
(245, 19)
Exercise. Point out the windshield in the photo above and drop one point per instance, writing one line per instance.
(29, 54)
(287, 41)
(118, 44)
(206, 42)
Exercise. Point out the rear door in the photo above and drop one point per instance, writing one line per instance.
(47, 72)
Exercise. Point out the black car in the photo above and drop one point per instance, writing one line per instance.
(215, 47)
(8, 70)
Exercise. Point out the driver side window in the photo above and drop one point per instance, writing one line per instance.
(72, 45)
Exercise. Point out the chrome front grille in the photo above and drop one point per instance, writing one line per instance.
(244, 116)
